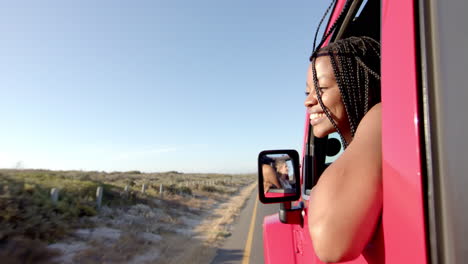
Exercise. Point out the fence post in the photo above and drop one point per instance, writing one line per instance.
(143, 188)
(126, 192)
(54, 195)
(99, 192)
(161, 190)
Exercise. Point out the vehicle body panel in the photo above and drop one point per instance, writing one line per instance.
(403, 204)
(278, 241)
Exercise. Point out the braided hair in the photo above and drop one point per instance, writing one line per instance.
(356, 65)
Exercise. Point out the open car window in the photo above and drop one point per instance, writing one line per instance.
(361, 18)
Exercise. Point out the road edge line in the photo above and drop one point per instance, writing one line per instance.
(248, 245)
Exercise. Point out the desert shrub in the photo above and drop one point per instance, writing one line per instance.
(26, 208)
(174, 189)
(173, 172)
(24, 250)
(129, 182)
(211, 189)
(85, 210)
(30, 214)
(84, 177)
(185, 190)
(111, 194)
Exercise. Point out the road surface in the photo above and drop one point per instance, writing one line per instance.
(245, 245)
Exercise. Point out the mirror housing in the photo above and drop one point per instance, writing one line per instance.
(278, 176)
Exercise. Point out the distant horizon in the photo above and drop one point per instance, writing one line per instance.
(129, 171)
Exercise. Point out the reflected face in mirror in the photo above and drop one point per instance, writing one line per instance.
(275, 173)
(331, 98)
(283, 174)
(282, 169)
(278, 172)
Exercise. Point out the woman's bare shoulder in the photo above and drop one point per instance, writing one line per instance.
(366, 147)
(370, 122)
(365, 151)
(347, 197)
(360, 162)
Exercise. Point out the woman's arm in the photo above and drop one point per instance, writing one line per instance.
(346, 203)
(269, 178)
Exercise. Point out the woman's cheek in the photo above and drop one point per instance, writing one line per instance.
(325, 98)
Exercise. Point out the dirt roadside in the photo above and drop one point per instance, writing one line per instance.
(149, 234)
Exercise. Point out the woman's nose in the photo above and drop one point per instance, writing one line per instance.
(311, 99)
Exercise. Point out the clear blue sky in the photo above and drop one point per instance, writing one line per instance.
(192, 86)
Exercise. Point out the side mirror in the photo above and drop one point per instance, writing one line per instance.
(278, 176)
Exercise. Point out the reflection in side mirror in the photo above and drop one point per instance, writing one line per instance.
(278, 174)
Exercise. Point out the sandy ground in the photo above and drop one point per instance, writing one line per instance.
(154, 233)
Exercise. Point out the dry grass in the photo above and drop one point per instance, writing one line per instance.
(177, 249)
(191, 244)
(208, 235)
(28, 217)
(217, 226)
(20, 250)
(123, 250)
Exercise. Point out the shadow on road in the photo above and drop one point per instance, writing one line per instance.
(226, 256)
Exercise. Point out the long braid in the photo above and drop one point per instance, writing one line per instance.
(335, 24)
(366, 83)
(342, 82)
(325, 109)
(359, 72)
(321, 21)
(349, 80)
(363, 74)
(356, 65)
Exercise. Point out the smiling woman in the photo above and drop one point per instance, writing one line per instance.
(343, 85)
(331, 98)
(343, 95)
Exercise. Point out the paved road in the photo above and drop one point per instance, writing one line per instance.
(238, 245)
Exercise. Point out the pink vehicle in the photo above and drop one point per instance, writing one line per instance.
(424, 127)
